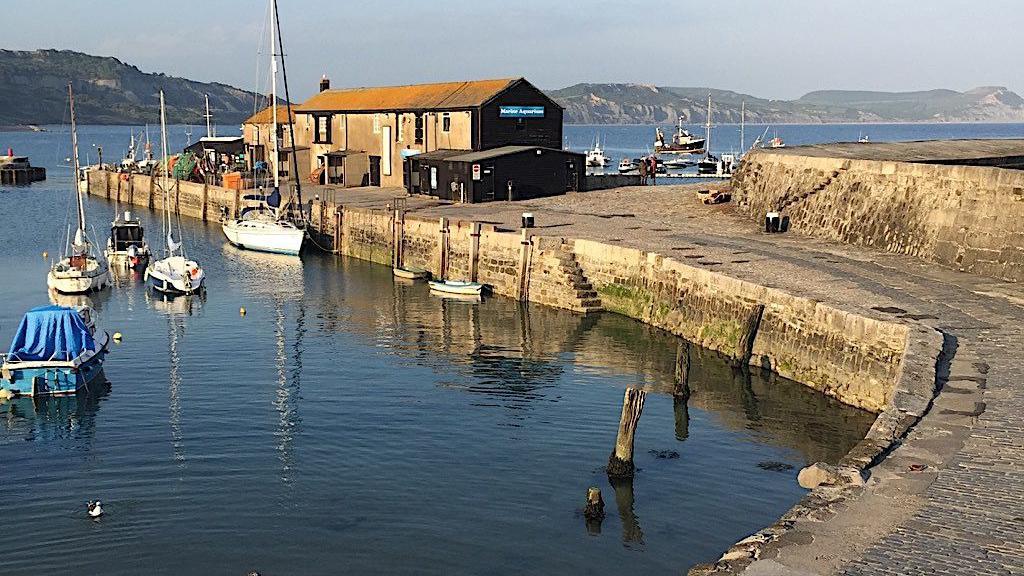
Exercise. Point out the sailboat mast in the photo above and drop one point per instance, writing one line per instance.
(76, 167)
(707, 128)
(288, 104)
(275, 154)
(209, 131)
(166, 219)
(743, 124)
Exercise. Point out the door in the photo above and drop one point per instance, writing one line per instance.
(374, 170)
(487, 181)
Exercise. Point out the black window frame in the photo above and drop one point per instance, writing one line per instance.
(325, 136)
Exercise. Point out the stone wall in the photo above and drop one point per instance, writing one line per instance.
(970, 218)
(190, 199)
(850, 357)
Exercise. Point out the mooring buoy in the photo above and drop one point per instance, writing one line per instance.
(241, 311)
(45, 254)
(117, 336)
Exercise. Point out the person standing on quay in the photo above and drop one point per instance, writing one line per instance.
(653, 169)
(643, 171)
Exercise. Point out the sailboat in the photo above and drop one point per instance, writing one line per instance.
(709, 164)
(80, 271)
(173, 274)
(265, 227)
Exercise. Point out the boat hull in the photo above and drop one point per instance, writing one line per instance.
(57, 379)
(162, 277)
(411, 274)
(79, 281)
(275, 241)
(124, 261)
(457, 288)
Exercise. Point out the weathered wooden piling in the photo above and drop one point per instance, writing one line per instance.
(748, 331)
(681, 384)
(595, 504)
(620, 463)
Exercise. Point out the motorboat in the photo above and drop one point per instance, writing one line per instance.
(679, 163)
(682, 141)
(56, 351)
(776, 142)
(864, 139)
(411, 273)
(81, 270)
(596, 157)
(629, 164)
(175, 273)
(709, 165)
(457, 288)
(127, 247)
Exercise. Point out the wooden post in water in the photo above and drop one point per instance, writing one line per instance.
(620, 463)
(593, 512)
(745, 344)
(339, 213)
(524, 265)
(203, 200)
(681, 391)
(442, 258)
(474, 252)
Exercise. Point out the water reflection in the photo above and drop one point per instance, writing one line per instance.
(63, 419)
(632, 534)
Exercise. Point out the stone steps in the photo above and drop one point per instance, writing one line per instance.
(578, 293)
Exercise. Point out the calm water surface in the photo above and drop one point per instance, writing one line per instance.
(348, 423)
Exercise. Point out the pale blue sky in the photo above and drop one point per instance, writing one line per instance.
(777, 49)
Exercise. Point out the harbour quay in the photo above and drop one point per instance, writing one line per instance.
(19, 170)
(890, 321)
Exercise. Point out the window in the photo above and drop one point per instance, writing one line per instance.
(323, 129)
(446, 122)
(376, 123)
(399, 127)
(418, 131)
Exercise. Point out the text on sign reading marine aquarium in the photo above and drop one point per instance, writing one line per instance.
(522, 112)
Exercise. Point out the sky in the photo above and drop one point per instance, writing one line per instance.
(772, 48)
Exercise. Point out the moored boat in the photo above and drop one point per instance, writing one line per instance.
(127, 247)
(456, 287)
(55, 351)
(411, 273)
(80, 271)
(596, 157)
(175, 273)
(682, 141)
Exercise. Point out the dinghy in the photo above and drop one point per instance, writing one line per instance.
(457, 288)
(56, 351)
(80, 271)
(411, 273)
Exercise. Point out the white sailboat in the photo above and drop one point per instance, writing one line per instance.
(264, 227)
(174, 274)
(80, 271)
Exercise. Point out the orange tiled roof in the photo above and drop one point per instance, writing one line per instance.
(444, 95)
(265, 116)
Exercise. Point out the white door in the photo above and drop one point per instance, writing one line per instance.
(385, 150)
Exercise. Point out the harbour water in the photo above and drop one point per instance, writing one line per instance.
(349, 423)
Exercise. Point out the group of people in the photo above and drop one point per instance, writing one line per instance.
(648, 170)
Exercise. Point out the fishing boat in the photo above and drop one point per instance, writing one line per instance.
(682, 141)
(411, 273)
(173, 274)
(265, 227)
(80, 271)
(776, 142)
(596, 157)
(55, 351)
(127, 247)
(457, 288)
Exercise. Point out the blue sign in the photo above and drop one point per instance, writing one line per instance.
(522, 112)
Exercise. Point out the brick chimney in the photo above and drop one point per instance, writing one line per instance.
(325, 83)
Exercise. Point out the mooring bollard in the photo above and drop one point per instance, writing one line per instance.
(620, 463)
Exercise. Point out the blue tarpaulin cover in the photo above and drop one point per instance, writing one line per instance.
(51, 333)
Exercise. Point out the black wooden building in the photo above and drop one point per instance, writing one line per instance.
(504, 173)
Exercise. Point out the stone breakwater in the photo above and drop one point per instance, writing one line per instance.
(886, 367)
(964, 217)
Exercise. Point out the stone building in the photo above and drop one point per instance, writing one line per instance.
(364, 136)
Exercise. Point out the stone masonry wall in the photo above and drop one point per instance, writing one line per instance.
(966, 217)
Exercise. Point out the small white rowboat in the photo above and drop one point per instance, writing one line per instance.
(459, 288)
(412, 273)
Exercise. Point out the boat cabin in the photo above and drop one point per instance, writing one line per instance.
(126, 234)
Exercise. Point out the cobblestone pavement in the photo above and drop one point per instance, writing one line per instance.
(963, 513)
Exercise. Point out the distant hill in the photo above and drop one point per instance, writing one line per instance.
(33, 90)
(648, 104)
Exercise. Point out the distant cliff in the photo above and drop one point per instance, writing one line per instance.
(33, 90)
(648, 104)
